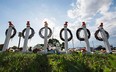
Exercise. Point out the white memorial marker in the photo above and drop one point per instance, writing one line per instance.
(66, 39)
(45, 39)
(86, 37)
(105, 40)
(46, 35)
(26, 37)
(8, 36)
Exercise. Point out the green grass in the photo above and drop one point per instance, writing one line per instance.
(30, 62)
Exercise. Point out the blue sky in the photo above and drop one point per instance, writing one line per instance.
(56, 12)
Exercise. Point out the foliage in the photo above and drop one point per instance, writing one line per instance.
(53, 42)
(38, 46)
(62, 45)
(14, 47)
(23, 62)
(30, 62)
(1, 46)
(100, 47)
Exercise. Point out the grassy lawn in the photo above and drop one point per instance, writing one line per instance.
(30, 62)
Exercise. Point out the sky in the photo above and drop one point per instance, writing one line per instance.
(56, 12)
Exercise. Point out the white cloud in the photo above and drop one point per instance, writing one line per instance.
(109, 20)
(55, 27)
(50, 22)
(72, 13)
(72, 4)
(85, 10)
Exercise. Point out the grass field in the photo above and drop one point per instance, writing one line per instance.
(30, 62)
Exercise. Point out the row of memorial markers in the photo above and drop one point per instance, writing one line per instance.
(26, 35)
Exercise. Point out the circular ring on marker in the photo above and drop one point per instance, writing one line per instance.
(71, 36)
(14, 32)
(49, 35)
(78, 34)
(99, 38)
(31, 35)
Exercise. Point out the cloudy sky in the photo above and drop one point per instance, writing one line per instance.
(56, 12)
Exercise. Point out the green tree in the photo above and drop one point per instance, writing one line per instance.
(53, 42)
(39, 46)
(62, 45)
(100, 47)
(14, 47)
(1, 46)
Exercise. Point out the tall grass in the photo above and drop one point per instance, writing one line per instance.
(30, 62)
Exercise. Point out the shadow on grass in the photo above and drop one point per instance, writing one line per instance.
(66, 63)
(26, 62)
(23, 62)
(39, 64)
